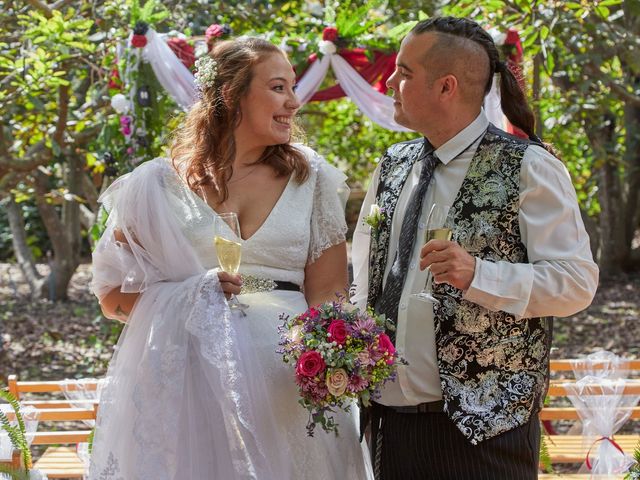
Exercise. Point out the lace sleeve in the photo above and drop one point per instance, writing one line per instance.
(328, 225)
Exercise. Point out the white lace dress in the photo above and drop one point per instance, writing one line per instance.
(195, 391)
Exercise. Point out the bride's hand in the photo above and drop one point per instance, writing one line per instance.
(230, 283)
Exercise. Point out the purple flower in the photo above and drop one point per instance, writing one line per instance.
(364, 325)
(357, 384)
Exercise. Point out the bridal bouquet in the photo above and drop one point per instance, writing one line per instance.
(340, 354)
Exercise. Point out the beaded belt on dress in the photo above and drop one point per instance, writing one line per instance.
(252, 284)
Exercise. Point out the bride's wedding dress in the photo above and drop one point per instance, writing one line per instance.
(195, 391)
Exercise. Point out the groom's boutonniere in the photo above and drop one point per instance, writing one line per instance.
(375, 218)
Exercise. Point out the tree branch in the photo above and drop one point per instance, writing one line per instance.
(63, 114)
(43, 8)
(619, 90)
(8, 182)
(60, 3)
(37, 155)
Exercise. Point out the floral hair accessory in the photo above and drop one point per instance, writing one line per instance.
(206, 71)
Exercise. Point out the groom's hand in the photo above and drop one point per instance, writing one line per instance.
(230, 283)
(449, 263)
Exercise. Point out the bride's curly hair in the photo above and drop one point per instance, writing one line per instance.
(204, 148)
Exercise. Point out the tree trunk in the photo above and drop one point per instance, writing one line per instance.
(23, 254)
(632, 166)
(63, 231)
(613, 249)
(536, 95)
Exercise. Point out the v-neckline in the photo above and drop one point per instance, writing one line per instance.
(266, 219)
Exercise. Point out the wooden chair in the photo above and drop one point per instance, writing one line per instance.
(56, 413)
(571, 448)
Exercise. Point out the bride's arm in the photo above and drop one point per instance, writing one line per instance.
(327, 277)
(117, 305)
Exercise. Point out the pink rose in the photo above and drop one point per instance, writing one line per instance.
(338, 331)
(214, 31)
(385, 346)
(310, 364)
(313, 313)
(337, 381)
(364, 358)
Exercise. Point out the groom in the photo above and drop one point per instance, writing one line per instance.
(466, 405)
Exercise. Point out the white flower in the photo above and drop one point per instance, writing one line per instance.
(206, 71)
(295, 334)
(201, 49)
(120, 103)
(375, 217)
(327, 47)
(497, 36)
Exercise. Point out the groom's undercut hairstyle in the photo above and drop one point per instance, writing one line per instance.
(461, 57)
(455, 36)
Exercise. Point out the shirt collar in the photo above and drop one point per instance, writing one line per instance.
(458, 144)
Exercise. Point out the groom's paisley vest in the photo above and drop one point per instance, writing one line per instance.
(493, 366)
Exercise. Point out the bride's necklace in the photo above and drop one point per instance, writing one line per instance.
(233, 180)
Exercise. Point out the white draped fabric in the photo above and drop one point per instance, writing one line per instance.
(178, 82)
(176, 79)
(493, 107)
(310, 82)
(375, 105)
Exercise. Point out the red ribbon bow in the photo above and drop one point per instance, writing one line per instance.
(610, 440)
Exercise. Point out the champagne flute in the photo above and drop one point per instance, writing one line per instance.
(437, 229)
(229, 249)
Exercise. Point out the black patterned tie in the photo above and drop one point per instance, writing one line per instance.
(390, 298)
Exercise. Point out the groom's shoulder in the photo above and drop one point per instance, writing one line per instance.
(404, 149)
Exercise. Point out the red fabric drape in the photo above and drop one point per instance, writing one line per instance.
(375, 73)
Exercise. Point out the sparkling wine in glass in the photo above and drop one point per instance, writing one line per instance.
(228, 244)
(437, 229)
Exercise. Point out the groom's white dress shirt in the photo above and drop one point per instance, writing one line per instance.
(560, 279)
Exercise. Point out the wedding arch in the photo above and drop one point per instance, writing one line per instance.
(359, 79)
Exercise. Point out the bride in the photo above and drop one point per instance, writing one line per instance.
(196, 390)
